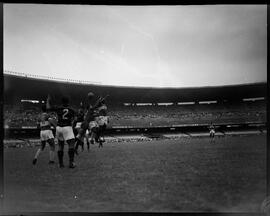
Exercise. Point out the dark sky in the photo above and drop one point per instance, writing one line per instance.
(160, 46)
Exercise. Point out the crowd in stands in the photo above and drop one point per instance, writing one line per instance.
(147, 116)
(188, 114)
(18, 117)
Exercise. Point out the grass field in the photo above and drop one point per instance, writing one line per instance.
(188, 174)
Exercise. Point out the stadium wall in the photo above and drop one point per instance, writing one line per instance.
(17, 88)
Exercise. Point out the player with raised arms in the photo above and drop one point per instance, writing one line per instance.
(79, 118)
(46, 135)
(83, 125)
(64, 131)
(88, 114)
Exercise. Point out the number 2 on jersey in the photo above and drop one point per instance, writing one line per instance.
(65, 111)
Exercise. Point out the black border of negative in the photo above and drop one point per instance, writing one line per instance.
(265, 206)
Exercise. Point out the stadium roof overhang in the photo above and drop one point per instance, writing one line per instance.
(16, 88)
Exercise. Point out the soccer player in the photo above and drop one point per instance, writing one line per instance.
(93, 128)
(88, 115)
(46, 135)
(102, 121)
(64, 130)
(212, 130)
(78, 121)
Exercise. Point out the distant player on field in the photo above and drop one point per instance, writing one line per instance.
(212, 130)
(64, 130)
(46, 135)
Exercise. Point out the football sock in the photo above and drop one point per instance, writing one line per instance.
(37, 153)
(71, 155)
(71, 158)
(82, 144)
(51, 155)
(60, 157)
(76, 146)
(34, 161)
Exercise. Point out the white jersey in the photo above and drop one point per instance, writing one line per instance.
(44, 121)
(102, 120)
(93, 124)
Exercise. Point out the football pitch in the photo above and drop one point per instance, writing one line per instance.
(181, 175)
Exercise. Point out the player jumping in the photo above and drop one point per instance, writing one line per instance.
(64, 130)
(102, 122)
(93, 128)
(46, 135)
(78, 122)
(89, 116)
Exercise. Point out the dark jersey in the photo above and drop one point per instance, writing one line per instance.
(65, 115)
(80, 115)
(89, 114)
(102, 110)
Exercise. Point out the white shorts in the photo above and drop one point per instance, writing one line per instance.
(102, 120)
(78, 125)
(64, 133)
(46, 135)
(93, 124)
(212, 131)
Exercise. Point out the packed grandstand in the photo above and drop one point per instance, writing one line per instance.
(246, 104)
(151, 116)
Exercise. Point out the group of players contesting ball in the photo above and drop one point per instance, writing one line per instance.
(72, 127)
(89, 122)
